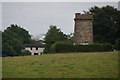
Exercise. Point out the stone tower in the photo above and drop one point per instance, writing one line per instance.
(83, 29)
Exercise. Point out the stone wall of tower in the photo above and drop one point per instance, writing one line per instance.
(83, 29)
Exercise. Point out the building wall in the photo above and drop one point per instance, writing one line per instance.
(83, 29)
(39, 51)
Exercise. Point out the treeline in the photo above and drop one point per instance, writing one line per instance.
(14, 38)
(106, 29)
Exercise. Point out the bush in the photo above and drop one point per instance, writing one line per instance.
(61, 47)
(117, 44)
(25, 52)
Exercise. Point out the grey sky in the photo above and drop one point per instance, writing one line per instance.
(36, 17)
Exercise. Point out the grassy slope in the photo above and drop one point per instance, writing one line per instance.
(72, 65)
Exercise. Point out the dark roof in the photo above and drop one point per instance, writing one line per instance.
(33, 45)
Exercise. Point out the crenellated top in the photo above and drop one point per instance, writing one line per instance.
(79, 16)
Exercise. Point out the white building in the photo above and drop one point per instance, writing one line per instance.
(35, 49)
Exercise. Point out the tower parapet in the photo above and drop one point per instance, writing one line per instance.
(83, 16)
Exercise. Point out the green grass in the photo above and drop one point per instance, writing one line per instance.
(69, 65)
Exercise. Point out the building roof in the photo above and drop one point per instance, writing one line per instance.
(33, 45)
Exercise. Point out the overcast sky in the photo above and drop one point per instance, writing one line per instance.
(36, 17)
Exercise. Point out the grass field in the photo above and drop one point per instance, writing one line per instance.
(72, 65)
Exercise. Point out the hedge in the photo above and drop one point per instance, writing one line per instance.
(60, 47)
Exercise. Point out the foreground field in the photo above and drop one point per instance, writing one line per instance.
(72, 65)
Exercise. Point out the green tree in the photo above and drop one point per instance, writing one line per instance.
(20, 32)
(16, 45)
(13, 39)
(70, 38)
(8, 50)
(54, 34)
(106, 22)
(117, 44)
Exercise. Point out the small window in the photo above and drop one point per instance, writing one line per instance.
(36, 48)
(31, 48)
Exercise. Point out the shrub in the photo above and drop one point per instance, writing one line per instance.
(25, 52)
(61, 47)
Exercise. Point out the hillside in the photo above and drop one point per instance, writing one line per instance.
(72, 65)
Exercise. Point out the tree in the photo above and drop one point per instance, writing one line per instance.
(8, 50)
(70, 38)
(54, 34)
(13, 39)
(117, 44)
(36, 39)
(22, 33)
(106, 22)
